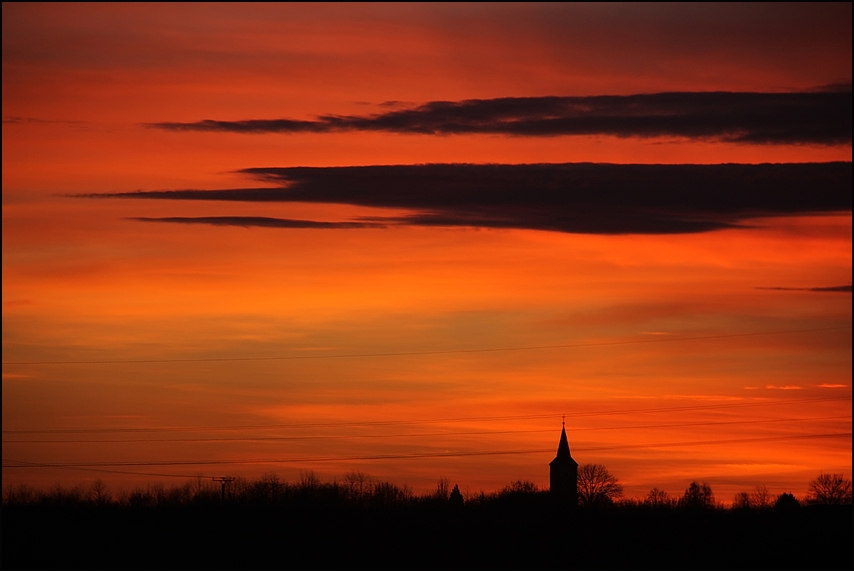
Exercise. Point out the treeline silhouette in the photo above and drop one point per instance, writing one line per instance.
(359, 521)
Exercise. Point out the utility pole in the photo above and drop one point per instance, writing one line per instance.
(224, 481)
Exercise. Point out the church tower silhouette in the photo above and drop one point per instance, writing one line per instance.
(563, 472)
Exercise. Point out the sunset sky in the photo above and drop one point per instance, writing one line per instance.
(407, 239)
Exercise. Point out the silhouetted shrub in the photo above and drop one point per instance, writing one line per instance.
(520, 487)
(786, 501)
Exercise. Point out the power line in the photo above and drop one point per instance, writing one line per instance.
(616, 412)
(108, 471)
(723, 441)
(291, 425)
(420, 434)
(418, 353)
(709, 406)
(414, 456)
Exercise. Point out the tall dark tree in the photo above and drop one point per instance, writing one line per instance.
(698, 495)
(443, 489)
(455, 500)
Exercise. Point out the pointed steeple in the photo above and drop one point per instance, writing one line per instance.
(563, 454)
(563, 472)
(563, 446)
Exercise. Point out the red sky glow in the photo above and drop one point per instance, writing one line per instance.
(418, 333)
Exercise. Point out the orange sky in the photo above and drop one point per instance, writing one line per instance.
(671, 358)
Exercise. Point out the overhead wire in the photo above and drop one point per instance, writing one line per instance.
(108, 471)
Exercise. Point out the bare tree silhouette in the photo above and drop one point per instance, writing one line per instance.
(741, 501)
(308, 481)
(273, 485)
(830, 489)
(443, 489)
(596, 486)
(22, 494)
(99, 494)
(759, 498)
(358, 485)
(388, 494)
(658, 498)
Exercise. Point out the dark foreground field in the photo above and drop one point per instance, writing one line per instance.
(524, 531)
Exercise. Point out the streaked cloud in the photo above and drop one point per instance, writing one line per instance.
(822, 117)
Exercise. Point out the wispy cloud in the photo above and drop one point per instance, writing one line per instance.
(16, 120)
(830, 289)
(822, 117)
(259, 221)
(579, 198)
(16, 376)
(832, 386)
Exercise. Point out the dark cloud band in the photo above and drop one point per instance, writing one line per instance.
(577, 197)
(821, 117)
